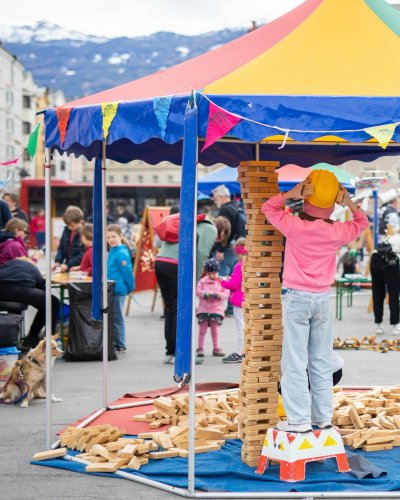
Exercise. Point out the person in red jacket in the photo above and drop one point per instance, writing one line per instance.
(86, 264)
(234, 284)
(37, 228)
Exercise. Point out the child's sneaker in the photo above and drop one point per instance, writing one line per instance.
(200, 352)
(233, 358)
(379, 329)
(323, 425)
(284, 425)
(218, 352)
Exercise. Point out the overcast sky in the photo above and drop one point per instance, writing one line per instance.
(112, 18)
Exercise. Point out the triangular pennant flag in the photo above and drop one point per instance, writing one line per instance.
(33, 140)
(109, 110)
(11, 162)
(62, 122)
(220, 122)
(161, 107)
(382, 133)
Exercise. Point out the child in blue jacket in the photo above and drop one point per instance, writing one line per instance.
(119, 269)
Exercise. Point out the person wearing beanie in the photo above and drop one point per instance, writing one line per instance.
(312, 240)
(210, 311)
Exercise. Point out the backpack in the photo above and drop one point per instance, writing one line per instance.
(385, 252)
(240, 229)
(168, 229)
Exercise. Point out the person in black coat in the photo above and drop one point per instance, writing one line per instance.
(70, 249)
(5, 214)
(21, 281)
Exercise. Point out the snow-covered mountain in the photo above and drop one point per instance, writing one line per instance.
(82, 64)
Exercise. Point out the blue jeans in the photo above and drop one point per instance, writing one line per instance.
(307, 345)
(119, 321)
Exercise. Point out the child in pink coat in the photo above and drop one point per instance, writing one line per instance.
(210, 311)
(234, 284)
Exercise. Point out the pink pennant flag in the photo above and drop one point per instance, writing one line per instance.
(11, 162)
(220, 122)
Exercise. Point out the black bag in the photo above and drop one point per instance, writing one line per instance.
(85, 340)
(9, 329)
(385, 252)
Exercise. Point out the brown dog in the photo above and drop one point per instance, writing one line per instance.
(29, 374)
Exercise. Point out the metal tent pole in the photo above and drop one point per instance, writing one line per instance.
(47, 192)
(104, 274)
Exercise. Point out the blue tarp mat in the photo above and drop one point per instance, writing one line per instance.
(224, 471)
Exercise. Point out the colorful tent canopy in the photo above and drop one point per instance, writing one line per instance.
(323, 71)
(288, 176)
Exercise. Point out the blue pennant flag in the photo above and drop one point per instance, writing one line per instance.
(161, 107)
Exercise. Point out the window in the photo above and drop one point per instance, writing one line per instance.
(126, 179)
(140, 179)
(26, 101)
(26, 127)
(10, 152)
(9, 98)
(10, 125)
(26, 155)
(155, 179)
(171, 179)
(110, 178)
(62, 166)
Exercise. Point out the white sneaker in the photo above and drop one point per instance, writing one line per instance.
(396, 329)
(379, 329)
(169, 359)
(323, 425)
(284, 425)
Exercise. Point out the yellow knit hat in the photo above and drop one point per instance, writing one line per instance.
(325, 188)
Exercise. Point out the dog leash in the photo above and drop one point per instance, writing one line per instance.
(20, 384)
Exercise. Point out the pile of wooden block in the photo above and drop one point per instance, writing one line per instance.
(262, 310)
(370, 419)
(215, 422)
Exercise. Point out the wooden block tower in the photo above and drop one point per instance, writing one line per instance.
(262, 310)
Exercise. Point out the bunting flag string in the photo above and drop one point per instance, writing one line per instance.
(109, 110)
(383, 133)
(62, 115)
(11, 162)
(161, 106)
(220, 122)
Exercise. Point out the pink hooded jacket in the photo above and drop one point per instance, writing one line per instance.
(311, 246)
(234, 284)
(211, 306)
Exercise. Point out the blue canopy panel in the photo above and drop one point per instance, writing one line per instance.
(135, 132)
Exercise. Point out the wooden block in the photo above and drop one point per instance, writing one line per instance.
(363, 438)
(106, 467)
(209, 434)
(95, 460)
(128, 450)
(164, 441)
(206, 448)
(164, 454)
(355, 419)
(377, 447)
(386, 423)
(380, 440)
(100, 450)
(134, 463)
(47, 455)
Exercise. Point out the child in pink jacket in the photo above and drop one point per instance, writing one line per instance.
(312, 240)
(234, 284)
(210, 311)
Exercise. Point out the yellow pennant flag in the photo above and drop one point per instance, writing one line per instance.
(382, 133)
(109, 110)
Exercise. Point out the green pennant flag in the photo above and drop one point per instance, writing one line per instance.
(33, 140)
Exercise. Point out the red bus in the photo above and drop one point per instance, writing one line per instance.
(65, 193)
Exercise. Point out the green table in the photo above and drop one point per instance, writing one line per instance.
(346, 286)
